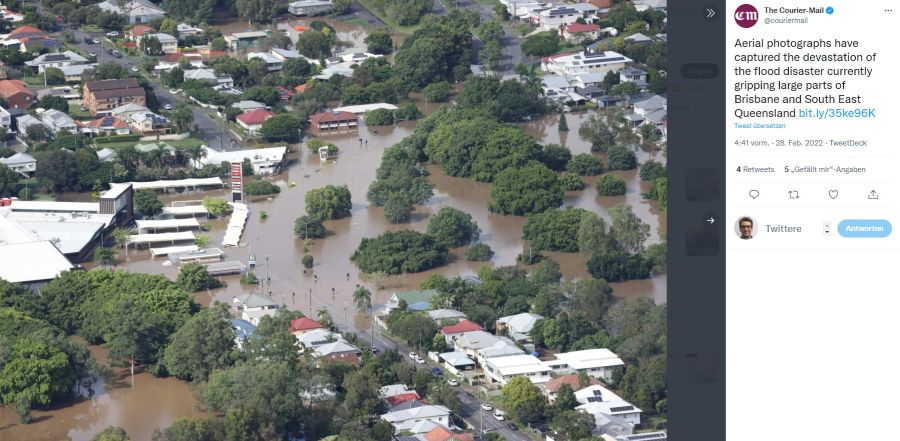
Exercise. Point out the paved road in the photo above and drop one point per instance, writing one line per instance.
(210, 128)
(510, 45)
(470, 406)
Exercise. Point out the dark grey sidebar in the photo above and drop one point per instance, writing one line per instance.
(696, 161)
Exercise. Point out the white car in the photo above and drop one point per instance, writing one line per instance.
(487, 407)
(112, 34)
(96, 41)
(413, 355)
(498, 415)
(168, 106)
(93, 54)
(134, 68)
(174, 91)
(452, 382)
(420, 360)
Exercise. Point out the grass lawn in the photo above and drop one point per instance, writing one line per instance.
(44, 197)
(36, 81)
(490, 3)
(76, 112)
(183, 143)
(369, 5)
(357, 22)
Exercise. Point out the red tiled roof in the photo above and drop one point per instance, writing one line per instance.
(349, 357)
(553, 385)
(331, 116)
(105, 122)
(25, 30)
(578, 27)
(441, 433)
(462, 326)
(555, 56)
(304, 324)
(301, 88)
(9, 88)
(254, 117)
(401, 398)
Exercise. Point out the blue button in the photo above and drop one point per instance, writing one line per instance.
(864, 228)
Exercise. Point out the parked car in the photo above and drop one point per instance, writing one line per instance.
(413, 355)
(436, 371)
(487, 407)
(498, 415)
(109, 51)
(112, 34)
(168, 106)
(93, 54)
(88, 40)
(513, 426)
(374, 350)
(452, 382)
(420, 360)
(134, 68)
(96, 41)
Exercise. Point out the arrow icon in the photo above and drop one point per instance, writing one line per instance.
(710, 13)
(711, 220)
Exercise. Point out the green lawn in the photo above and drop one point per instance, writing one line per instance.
(369, 5)
(490, 3)
(184, 143)
(35, 81)
(357, 22)
(76, 112)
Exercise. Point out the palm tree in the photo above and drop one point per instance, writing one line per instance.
(105, 256)
(325, 318)
(128, 157)
(363, 298)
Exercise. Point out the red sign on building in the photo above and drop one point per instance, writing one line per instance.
(237, 182)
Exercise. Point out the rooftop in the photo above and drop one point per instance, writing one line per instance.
(256, 116)
(589, 358)
(462, 326)
(304, 324)
(252, 300)
(31, 262)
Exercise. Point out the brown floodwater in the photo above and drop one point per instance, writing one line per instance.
(154, 402)
(138, 404)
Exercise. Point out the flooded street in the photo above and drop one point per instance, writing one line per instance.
(152, 402)
(138, 405)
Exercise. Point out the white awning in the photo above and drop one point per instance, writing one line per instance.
(155, 224)
(161, 237)
(186, 209)
(177, 183)
(172, 250)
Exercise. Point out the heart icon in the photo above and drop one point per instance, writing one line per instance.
(833, 194)
(754, 194)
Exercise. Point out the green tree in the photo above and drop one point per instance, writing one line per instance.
(146, 203)
(565, 398)
(54, 102)
(260, 187)
(362, 297)
(9, 181)
(541, 44)
(309, 227)
(597, 131)
(555, 157)
(379, 117)
(502, 13)
(573, 425)
(314, 44)
(396, 252)
(379, 42)
(205, 343)
(417, 329)
(216, 206)
(151, 46)
(522, 400)
(563, 124)
(480, 252)
(610, 185)
(437, 92)
(617, 266)
(398, 207)
(570, 182)
(554, 230)
(307, 261)
(652, 170)
(547, 272)
(407, 112)
(111, 433)
(54, 76)
(36, 373)
(361, 393)
(593, 234)
(296, 67)
(281, 127)
(399, 171)
(628, 229)
(105, 256)
(329, 202)
(194, 277)
(58, 170)
(453, 227)
(591, 299)
(624, 89)
(526, 190)
(621, 158)
(585, 164)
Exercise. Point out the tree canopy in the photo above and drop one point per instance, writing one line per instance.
(453, 227)
(329, 202)
(526, 190)
(396, 252)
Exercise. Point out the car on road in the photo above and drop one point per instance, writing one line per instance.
(88, 40)
(452, 382)
(375, 350)
(93, 54)
(413, 355)
(117, 54)
(513, 426)
(174, 91)
(134, 68)
(96, 41)
(109, 51)
(498, 415)
(487, 407)
(420, 360)
(168, 106)
(112, 34)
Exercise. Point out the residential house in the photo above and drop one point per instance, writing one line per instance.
(357, 57)
(168, 42)
(16, 94)
(453, 331)
(66, 92)
(502, 348)
(208, 76)
(415, 300)
(137, 11)
(395, 402)
(334, 121)
(590, 92)
(252, 121)
(633, 75)
(602, 4)
(58, 121)
(136, 33)
(644, 105)
(249, 105)
(76, 72)
(149, 123)
(23, 122)
(503, 369)
(303, 325)
(285, 54)
(264, 161)
(273, 63)
(556, 82)
(311, 340)
(32, 39)
(245, 40)
(57, 60)
(551, 388)
(577, 32)
(606, 424)
(481, 345)
(310, 7)
(11, 16)
(106, 155)
(518, 327)
(589, 79)
(106, 126)
(609, 403)
(598, 363)
(125, 111)
(410, 420)
(344, 69)
(100, 97)
(284, 93)
(442, 433)
(643, 5)
(649, 109)
(638, 38)
(559, 16)
(394, 389)
(646, 436)
(254, 306)
(338, 350)
(22, 163)
(243, 331)
(227, 87)
(457, 361)
(439, 315)
(170, 61)
(5, 119)
(185, 30)
(573, 64)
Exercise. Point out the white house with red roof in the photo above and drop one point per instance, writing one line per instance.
(303, 325)
(107, 125)
(334, 120)
(575, 32)
(253, 120)
(451, 332)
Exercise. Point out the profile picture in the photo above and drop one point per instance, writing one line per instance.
(745, 227)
